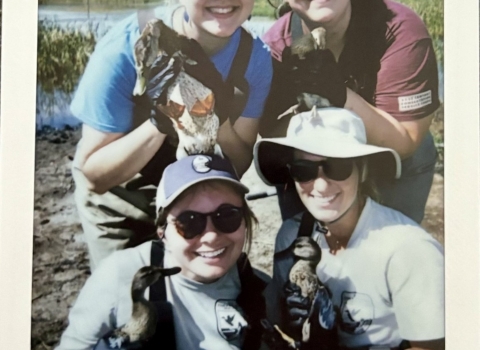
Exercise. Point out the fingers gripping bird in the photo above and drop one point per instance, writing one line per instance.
(299, 55)
(303, 274)
(143, 321)
(189, 103)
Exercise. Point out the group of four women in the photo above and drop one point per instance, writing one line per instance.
(331, 167)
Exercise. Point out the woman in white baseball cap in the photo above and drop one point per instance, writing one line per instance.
(214, 302)
(384, 272)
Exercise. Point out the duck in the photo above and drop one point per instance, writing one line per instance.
(303, 274)
(143, 322)
(189, 104)
(302, 53)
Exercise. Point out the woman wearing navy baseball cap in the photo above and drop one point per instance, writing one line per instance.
(215, 302)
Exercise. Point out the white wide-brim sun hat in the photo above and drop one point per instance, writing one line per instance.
(327, 132)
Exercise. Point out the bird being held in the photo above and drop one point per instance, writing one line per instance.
(303, 274)
(186, 101)
(303, 54)
(143, 322)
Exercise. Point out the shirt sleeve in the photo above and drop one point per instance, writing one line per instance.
(104, 97)
(407, 83)
(415, 276)
(94, 311)
(259, 76)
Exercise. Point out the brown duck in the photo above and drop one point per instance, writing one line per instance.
(143, 321)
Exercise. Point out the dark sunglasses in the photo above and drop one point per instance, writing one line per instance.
(337, 169)
(226, 219)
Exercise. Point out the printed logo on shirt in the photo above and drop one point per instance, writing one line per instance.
(356, 312)
(408, 103)
(230, 321)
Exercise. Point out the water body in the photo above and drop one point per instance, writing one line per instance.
(59, 115)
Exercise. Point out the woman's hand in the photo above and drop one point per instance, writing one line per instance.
(298, 307)
(318, 74)
(162, 75)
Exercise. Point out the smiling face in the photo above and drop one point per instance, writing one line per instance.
(324, 198)
(321, 12)
(208, 256)
(219, 18)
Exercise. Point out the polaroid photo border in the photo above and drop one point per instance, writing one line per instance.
(462, 171)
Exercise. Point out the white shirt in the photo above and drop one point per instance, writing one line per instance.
(387, 285)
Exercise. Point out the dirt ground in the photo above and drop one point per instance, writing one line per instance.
(60, 261)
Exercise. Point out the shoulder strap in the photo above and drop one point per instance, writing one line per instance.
(165, 333)
(306, 225)
(236, 77)
(296, 25)
(158, 291)
(252, 302)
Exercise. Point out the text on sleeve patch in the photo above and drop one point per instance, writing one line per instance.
(408, 103)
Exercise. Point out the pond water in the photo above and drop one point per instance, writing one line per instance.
(58, 115)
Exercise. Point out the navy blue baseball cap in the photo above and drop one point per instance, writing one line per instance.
(191, 170)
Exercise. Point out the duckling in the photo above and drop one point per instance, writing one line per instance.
(143, 321)
(303, 274)
(296, 56)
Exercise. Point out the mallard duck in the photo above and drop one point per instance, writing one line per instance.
(143, 321)
(296, 56)
(303, 273)
(189, 103)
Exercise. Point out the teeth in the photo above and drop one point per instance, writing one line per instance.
(221, 10)
(211, 254)
(326, 199)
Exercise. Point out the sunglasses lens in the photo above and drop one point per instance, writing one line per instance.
(228, 219)
(338, 169)
(190, 224)
(303, 171)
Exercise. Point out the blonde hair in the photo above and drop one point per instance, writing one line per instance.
(251, 220)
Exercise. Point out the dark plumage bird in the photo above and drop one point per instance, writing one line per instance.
(156, 39)
(189, 103)
(143, 321)
(299, 54)
(303, 273)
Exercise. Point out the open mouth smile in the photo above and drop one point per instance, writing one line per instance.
(222, 10)
(211, 254)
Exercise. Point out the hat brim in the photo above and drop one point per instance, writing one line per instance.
(272, 155)
(243, 189)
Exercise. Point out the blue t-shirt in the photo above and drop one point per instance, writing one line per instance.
(104, 97)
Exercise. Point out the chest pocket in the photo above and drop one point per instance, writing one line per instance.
(153, 171)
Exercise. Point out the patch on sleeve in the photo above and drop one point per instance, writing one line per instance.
(408, 103)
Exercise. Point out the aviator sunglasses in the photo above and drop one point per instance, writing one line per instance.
(226, 219)
(337, 169)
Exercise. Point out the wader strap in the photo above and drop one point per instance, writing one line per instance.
(252, 302)
(236, 77)
(165, 332)
(296, 25)
(306, 225)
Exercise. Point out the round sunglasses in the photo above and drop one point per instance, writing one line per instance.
(226, 219)
(337, 169)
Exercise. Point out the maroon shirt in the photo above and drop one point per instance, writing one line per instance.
(401, 78)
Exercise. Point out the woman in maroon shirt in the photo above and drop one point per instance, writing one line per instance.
(379, 64)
